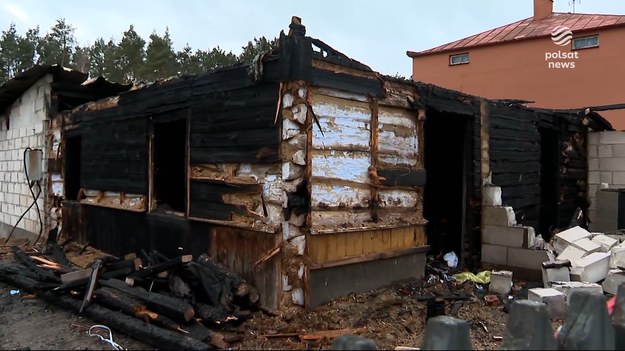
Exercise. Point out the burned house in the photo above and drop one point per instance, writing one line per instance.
(305, 170)
(28, 103)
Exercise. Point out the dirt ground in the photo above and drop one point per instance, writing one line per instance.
(392, 317)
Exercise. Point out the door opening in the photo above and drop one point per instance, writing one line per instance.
(169, 174)
(446, 162)
(72, 167)
(549, 169)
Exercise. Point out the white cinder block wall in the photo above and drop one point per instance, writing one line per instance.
(606, 163)
(27, 126)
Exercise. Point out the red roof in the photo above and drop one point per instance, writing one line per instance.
(528, 28)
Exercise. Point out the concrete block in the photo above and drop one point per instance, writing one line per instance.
(593, 267)
(593, 138)
(612, 164)
(500, 282)
(553, 298)
(567, 287)
(555, 271)
(593, 151)
(605, 242)
(587, 325)
(593, 164)
(529, 327)
(605, 177)
(618, 178)
(498, 216)
(515, 236)
(491, 195)
(615, 278)
(587, 245)
(605, 150)
(571, 253)
(527, 258)
(612, 137)
(494, 254)
(593, 177)
(617, 257)
(566, 237)
(446, 333)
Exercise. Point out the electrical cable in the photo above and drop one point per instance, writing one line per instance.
(31, 184)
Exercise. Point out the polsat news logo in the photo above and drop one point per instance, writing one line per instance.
(561, 36)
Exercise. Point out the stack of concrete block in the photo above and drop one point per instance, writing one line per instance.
(505, 244)
(553, 298)
(594, 258)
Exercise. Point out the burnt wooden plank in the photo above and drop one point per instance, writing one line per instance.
(207, 199)
(402, 176)
(347, 82)
(249, 154)
(233, 139)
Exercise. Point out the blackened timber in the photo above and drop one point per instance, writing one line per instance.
(401, 176)
(140, 330)
(164, 266)
(207, 199)
(117, 300)
(172, 307)
(347, 82)
(43, 274)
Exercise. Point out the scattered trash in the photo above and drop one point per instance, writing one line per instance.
(498, 338)
(491, 300)
(14, 292)
(611, 303)
(115, 345)
(455, 308)
(482, 325)
(451, 259)
(482, 277)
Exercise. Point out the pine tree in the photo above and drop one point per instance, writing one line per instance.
(56, 47)
(258, 45)
(131, 54)
(160, 60)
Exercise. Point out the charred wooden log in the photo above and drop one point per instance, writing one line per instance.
(117, 300)
(161, 267)
(136, 328)
(43, 274)
(172, 307)
(223, 287)
(56, 252)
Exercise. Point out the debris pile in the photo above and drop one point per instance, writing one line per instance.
(166, 302)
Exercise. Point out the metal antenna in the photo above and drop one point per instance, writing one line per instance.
(572, 3)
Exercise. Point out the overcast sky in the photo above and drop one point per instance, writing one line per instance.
(375, 32)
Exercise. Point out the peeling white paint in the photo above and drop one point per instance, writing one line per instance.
(342, 94)
(287, 100)
(299, 158)
(301, 92)
(272, 189)
(398, 198)
(342, 127)
(291, 171)
(397, 160)
(285, 283)
(327, 195)
(352, 166)
(289, 129)
(300, 243)
(299, 113)
(290, 231)
(301, 270)
(297, 296)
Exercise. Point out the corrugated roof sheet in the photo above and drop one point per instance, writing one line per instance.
(526, 29)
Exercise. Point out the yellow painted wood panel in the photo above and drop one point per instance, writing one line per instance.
(336, 246)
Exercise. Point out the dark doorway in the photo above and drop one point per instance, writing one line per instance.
(446, 162)
(549, 170)
(72, 167)
(169, 155)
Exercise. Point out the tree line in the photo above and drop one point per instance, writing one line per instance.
(130, 59)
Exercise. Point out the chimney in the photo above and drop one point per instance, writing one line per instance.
(542, 9)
